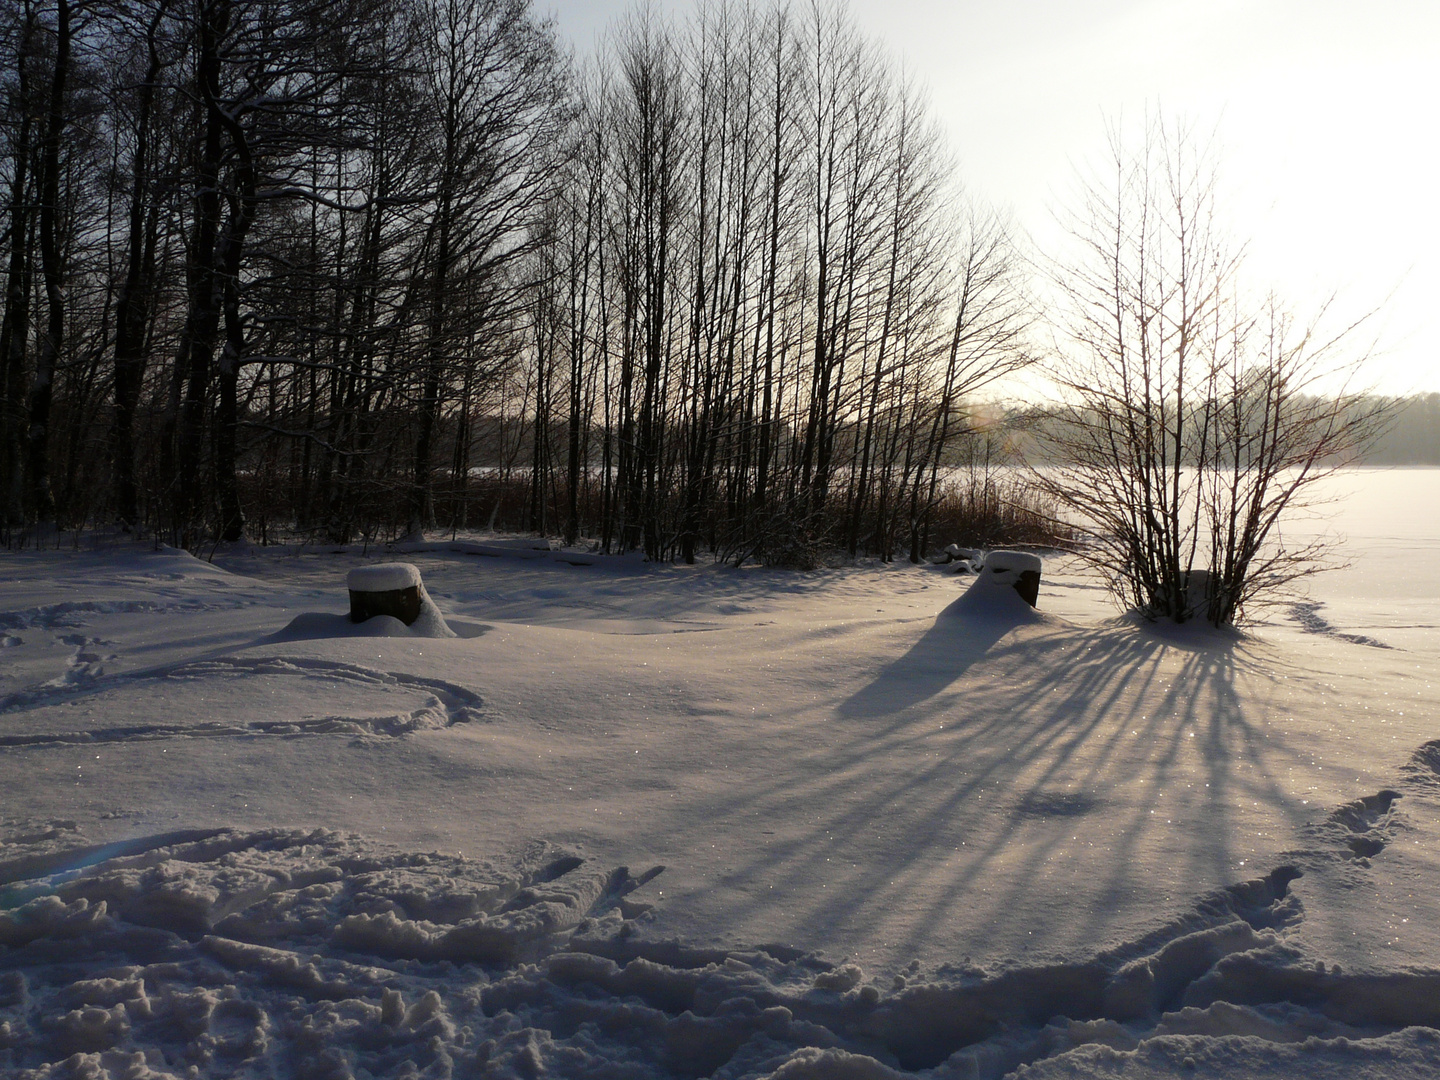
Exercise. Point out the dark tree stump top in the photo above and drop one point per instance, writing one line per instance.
(383, 577)
(1019, 569)
(385, 589)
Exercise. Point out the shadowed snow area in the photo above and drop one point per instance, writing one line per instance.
(668, 821)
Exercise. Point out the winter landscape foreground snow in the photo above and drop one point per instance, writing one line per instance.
(638, 821)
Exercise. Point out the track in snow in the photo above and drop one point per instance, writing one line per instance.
(446, 703)
(71, 614)
(1307, 614)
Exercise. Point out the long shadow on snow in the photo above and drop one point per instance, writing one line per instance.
(1203, 755)
(1096, 711)
(944, 653)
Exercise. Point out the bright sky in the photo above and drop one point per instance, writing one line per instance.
(1327, 112)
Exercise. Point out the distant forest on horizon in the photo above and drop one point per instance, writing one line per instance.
(1414, 436)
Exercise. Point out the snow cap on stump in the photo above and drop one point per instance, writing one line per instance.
(383, 577)
(1018, 569)
(386, 589)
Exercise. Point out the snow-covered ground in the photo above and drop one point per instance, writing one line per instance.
(693, 821)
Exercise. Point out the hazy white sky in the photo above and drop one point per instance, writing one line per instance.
(1328, 113)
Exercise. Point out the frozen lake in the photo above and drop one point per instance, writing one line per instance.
(1388, 525)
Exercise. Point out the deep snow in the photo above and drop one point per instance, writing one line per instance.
(901, 827)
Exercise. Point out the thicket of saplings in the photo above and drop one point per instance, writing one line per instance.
(361, 268)
(976, 503)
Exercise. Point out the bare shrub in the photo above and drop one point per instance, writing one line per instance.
(1196, 417)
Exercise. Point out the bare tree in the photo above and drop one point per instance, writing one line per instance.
(52, 340)
(1196, 417)
(22, 109)
(648, 111)
(134, 301)
(499, 93)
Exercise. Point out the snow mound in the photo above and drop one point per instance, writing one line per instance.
(992, 595)
(1195, 635)
(379, 577)
(311, 625)
(315, 625)
(383, 577)
(315, 953)
(430, 624)
(986, 600)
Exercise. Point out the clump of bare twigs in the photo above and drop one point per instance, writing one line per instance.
(1197, 415)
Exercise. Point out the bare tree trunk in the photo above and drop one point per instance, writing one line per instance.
(15, 333)
(197, 344)
(132, 306)
(42, 501)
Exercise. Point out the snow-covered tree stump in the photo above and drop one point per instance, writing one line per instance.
(1017, 568)
(385, 589)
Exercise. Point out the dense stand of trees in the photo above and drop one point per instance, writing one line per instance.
(254, 248)
(361, 267)
(772, 304)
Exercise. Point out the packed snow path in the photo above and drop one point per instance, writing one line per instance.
(839, 763)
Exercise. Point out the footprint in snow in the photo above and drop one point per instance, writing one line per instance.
(1307, 614)
(1057, 804)
(1424, 764)
(72, 614)
(1363, 826)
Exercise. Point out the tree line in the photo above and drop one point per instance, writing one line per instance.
(361, 268)
(1414, 435)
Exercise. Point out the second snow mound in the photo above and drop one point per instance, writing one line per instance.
(319, 624)
(395, 591)
(996, 591)
(377, 580)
